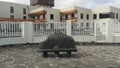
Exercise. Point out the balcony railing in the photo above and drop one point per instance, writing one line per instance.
(73, 19)
(37, 13)
(68, 12)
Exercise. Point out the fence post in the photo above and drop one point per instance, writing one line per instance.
(109, 34)
(27, 32)
(68, 27)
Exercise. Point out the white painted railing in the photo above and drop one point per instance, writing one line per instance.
(78, 29)
(10, 29)
(46, 29)
(11, 33)
(116, 25)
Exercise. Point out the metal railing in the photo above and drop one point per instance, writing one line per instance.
(116, 26)
(46, 29)
(10, 29)
(80, 29)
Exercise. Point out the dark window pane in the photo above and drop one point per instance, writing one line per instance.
(87, 16)
(43, 16)
(33, 17)
(94, 16)
(72, 15)
(60, 17)
(42, 2)
(11, 9)
(38, 17)
(107, 15)
(66, 17)
(116, 16)
(24, 10)
(51, 16)
(81, 16)
(24, 17)
(11, 16)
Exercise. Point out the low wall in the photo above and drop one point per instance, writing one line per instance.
(116, 39)
(76, 38)
(39, 39)
(7, 41)
(84, 38)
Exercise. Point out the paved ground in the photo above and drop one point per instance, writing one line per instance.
(25, 56)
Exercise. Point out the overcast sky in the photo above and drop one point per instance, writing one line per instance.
(82, 3)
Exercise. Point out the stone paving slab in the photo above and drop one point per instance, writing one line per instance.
(26, 56)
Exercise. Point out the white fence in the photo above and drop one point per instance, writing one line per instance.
(81, 34)
(46, 29)
(11, 33)
(107, 31)
(10, 29)
(29, 32)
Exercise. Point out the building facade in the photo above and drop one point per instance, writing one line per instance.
(45, 14)
(42, 11)
(13, 10)
(106, 13)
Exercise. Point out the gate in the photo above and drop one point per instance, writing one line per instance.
(100, 32)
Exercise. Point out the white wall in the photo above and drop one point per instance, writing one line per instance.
(39, 39)
(55, 12)
(18, 10)
(15, 40)
(116, 39)
(84, 38)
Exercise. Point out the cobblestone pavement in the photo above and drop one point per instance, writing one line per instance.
(25, 56)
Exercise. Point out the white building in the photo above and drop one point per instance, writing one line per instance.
(45, 13)
(106, 13)
(13, 10)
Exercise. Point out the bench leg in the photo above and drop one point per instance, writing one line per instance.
(45, 54)
(57, 54)
(69, 53)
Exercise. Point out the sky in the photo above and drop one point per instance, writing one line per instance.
(82, 3)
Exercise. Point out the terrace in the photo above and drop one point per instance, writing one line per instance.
(25, 56)
(15, 53)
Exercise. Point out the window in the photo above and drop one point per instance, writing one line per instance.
(51, 16)
(11, 9)
(116, 16)
(60, 17)
(94, 16)
(107, 15)
(11, 16)
(72, 15)
(43, 16)
(24, 10)
(33, 17)
(42, 2)
(81, 16)
(24, 17)
(87, 16)
(38, 17)
(66, 17)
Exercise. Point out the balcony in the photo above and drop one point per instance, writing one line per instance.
(14, 19)
(38, 20)
(73, 19)
(37, 13)
(68, 12)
